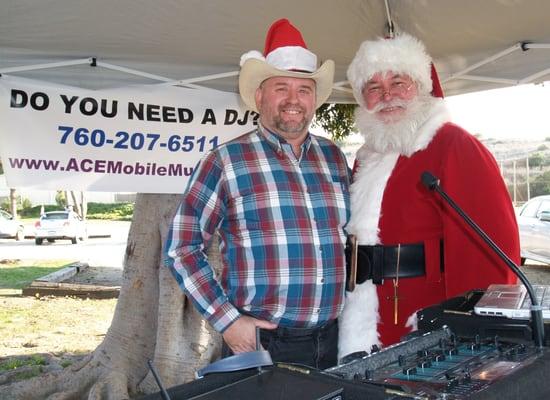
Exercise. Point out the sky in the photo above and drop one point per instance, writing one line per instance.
(519, 112)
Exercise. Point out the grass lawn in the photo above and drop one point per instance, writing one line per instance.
(37, 334)
(15, 275)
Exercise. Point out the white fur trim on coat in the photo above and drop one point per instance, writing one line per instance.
(412, 321)
(358, 322)
(367, 190)
(358, 329)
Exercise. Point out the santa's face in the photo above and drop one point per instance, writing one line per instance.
(287, 106)
(388, 95)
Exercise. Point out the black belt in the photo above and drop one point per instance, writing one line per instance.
(379, 262)
(285, 331)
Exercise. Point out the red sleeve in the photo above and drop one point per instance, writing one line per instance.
(472, 178)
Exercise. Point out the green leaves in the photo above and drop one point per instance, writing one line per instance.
(336, 119)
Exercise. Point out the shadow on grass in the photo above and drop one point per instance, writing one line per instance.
(23, 367)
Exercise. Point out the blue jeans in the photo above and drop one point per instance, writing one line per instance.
(313, 347)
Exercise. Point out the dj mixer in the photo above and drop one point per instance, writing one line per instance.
(433, 365)
(440, 365)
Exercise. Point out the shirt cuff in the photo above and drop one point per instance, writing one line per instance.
(224, 316)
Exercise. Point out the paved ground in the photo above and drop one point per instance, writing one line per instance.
(104, 252)
(104, 248)
(537, 273)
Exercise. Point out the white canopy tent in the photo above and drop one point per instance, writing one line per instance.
(99, 44)
(104, 44)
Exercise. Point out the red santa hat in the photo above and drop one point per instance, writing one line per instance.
(403, 54)
(287, 55)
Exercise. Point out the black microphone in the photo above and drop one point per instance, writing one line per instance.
(432, 183)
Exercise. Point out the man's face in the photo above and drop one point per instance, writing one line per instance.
(387, 95)
(286, 105)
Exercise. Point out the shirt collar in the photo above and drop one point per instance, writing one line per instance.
(279, 143)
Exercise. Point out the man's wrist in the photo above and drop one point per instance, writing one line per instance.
(224, 317)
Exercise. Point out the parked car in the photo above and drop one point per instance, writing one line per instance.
(10, 227)
(534, 229)
(55, 225)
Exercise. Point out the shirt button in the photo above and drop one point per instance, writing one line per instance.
(322, 280)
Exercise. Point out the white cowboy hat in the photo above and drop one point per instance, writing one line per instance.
(285, 55)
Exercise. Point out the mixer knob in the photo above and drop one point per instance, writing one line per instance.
(422, 353)
(453, 339)
(401, 360)
(475, 346)
(424, 364)
(452, 351)
(409, 371)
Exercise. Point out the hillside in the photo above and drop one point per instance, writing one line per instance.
(511, 155)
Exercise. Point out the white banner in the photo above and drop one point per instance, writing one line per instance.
(145, 139)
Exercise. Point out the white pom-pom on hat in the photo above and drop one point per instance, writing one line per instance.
(251, 54)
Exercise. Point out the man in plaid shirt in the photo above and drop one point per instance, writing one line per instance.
(278, 196)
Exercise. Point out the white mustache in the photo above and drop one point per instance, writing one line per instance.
(387, 104)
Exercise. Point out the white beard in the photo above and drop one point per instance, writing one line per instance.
(399, 135)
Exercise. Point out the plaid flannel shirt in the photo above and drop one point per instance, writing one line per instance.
(281, 221)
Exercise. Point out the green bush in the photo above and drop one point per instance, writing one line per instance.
(34, 212)
(535, 160)
(105, 211)
(111, 211)
(541, 185)
(22, 203)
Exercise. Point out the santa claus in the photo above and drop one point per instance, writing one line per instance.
(414, 250)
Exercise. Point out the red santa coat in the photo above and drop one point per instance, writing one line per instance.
(391, 206)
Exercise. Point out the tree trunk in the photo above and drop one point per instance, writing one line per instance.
(152, 320)
(13, 202)
(84, 204)
(77, 203)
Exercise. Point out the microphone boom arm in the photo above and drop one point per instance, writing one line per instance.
(432, 183)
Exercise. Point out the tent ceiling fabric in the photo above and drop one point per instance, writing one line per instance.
(193, 38)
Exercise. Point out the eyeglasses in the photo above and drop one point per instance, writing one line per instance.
(398, 88)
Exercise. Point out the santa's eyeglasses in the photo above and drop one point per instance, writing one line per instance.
(397, 88)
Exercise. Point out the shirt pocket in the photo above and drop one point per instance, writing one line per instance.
(330, 201)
